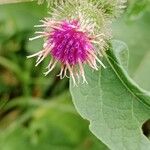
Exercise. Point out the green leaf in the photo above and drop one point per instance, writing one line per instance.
(54, 125)
(122, 54)
(137, 8)
(114, 105)
(10, 65)
(136, 35)
(24, 21)
(49, 2)
(13, 1)
(141, 76)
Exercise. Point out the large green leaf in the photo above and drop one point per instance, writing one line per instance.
(114, 105)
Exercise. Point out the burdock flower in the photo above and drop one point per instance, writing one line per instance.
(69, 43)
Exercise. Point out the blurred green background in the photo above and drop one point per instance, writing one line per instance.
(36, 112)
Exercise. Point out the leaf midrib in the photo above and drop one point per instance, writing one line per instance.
(122, 81)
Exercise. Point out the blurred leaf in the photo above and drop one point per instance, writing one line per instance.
(10, 65)
(20, 17)
(136, 35)
(50, 126)
(12, 1)
(143, 71)
(137, 8)
(115, 106)
(16, 26)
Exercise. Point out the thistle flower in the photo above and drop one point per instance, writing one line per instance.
(69, 43)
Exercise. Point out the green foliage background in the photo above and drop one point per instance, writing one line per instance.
(36, 112)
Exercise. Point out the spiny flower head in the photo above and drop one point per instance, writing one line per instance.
(69, 43)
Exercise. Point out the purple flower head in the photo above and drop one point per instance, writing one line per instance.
(70, 45)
